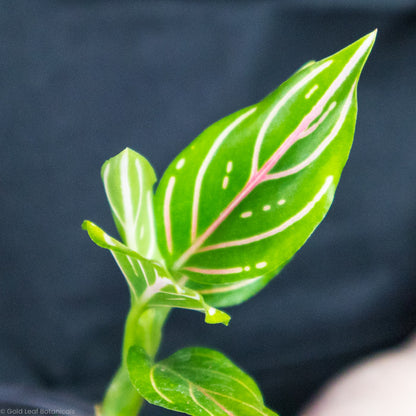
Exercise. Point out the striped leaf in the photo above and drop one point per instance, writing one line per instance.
(237, 204)
(149, 282)
(196, 381)
(128, 181)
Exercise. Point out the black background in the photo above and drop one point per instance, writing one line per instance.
(81, 80)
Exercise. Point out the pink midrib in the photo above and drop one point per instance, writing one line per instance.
(208, 396)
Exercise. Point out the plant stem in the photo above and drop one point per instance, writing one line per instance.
(121, 397)
(143, 328)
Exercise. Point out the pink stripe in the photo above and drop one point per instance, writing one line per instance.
(232, 270)
(322, 146)
(224, 409)
(166, 213)
(230, 288)
(311, 129)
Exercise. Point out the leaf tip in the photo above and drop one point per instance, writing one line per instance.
(85, 224)
(372, 37)
(215, 316)
(369, 40)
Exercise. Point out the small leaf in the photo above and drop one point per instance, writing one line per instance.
(237, 204)
(128, 181)
(149, 282)
(196, 381)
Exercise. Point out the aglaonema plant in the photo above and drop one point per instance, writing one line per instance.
(230, 211)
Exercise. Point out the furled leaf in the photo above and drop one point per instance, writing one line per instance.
(149, 282)
(196, 381)
(128, 180)
(248, 192)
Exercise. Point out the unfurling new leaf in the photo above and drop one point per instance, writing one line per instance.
(149, 282)
(128, 181)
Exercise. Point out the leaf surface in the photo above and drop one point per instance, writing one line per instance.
(149, 282)
(128, 181)
(233, 293)
(238, 203)
(196, 381)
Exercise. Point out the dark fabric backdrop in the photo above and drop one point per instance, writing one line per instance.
(81, 80)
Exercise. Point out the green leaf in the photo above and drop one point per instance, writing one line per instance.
(196, 381)
(239, 202)
(128, 181)
(149, 282)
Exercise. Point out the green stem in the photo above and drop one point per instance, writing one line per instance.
(144, 328)
(121, 397)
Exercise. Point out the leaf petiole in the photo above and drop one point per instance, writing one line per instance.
(143, 328)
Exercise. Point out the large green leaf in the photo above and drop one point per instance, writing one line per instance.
(128, 180)
(196, 381)
(149, 282)
(238, 203)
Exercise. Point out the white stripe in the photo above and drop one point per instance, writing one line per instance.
(220, 289)
(201, 173)
(144, 273)
(246, 214)
(180, 164)
(311, 91)
(152, 380)
(127, 202)
(133, 266)
(197, 403)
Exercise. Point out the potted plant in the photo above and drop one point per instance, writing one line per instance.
(230, 211)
